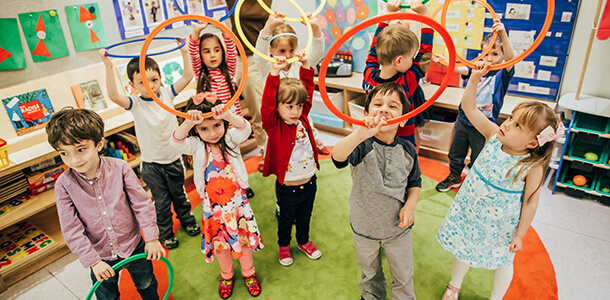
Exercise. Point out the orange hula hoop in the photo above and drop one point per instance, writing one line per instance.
(550, 10)
(224, 29)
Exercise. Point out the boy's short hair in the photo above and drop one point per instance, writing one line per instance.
(395, 40)
(71, 126)
(134, 66)
(388, 88)
(291, 90)
(487, 39)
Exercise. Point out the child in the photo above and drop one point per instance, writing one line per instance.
(103, 210)
(290, 154)
(215, 71)
(229, 228)
(279, 39)
(386, 183)
(490, 98)
(161, 168)
(394, 57)
(491, 213)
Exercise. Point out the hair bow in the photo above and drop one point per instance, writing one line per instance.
(209, 96)
(548, 134)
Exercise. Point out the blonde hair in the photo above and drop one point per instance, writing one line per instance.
(284, 28)
(393, 41)
(290, 90)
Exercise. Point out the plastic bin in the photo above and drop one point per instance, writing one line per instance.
(3, 154)
(603, 182)
(318, 105)
(356, 107)
(592, 123)
(578, 149)
(568, 174)
(436, 134)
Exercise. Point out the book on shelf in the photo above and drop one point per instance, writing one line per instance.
(89, 95)
(29, 111)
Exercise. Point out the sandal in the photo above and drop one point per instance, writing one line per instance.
(225, 289)
(253, 285)
(451, 293)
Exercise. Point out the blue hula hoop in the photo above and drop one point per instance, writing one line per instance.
(182, 43)
(221, 19)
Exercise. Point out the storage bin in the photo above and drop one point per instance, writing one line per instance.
(578, 149)
(356, 107)
(332, 121)
(318, 105)
(592, 123)
(436, 134)
(568, 174)
(603, 182)
(3, 154)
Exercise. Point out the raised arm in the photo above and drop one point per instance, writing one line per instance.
(194, 46)
(113, 91)
(230, 54)
(507, 48)
(469, 102)
(187, 73)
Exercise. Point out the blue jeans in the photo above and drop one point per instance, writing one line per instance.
(141, 271)
(295, 204)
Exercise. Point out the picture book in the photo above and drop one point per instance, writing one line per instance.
(29, 111)
(89, 95)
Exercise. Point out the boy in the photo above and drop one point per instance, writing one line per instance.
(490, 97)
(161, 168)
(386, 183)
(394, 57)
(101, 205)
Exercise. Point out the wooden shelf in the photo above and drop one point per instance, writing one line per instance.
(607, 135)
(43, 201)
(591, 192)
(599, 165)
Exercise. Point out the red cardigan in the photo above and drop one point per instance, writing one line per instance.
(280, 142)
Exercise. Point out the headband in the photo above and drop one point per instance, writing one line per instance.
(548, 134)
(283, 34)
(209, 96)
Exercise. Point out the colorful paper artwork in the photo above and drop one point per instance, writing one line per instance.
(86, 26)
(29, 111)
(20, 241)
(154, 11)
(171, 70)
(44, 35)
(11, 52)
(129, 16)
(129, 90)
(89, 95)
(464, 23)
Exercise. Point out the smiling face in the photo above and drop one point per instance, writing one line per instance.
(154, 80)
(211, 131)
(515, 137)
(386, 105)
(82, 157)
(211, 52)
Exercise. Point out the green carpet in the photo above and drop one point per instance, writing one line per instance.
(336, 274)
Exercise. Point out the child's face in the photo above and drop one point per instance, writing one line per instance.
(495, 56)
(515, 136)
(82, 157)
(211, 53)
(211, 130)
(386, 105)
(290, 112)
(406, 61)
(282, 48)
(154, 80)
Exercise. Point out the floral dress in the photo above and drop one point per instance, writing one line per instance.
(484, 216)
(228, 221)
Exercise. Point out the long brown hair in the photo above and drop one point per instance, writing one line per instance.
(204, 82)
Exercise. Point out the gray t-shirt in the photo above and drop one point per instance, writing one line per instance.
(381, 174)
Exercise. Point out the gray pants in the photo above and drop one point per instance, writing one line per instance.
(166, 183)
(399, 253)
(464, 137)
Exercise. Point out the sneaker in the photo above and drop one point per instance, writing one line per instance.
(284, 256)
(451, 293)
(249, 193)
(253, 285)
(225, 288)
(311, 250)
(192, 230)
(449, 183)
(170, 243)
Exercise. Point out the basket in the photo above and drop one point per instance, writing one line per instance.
(3, 154)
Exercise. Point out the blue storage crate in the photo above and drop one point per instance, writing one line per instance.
(331, 121)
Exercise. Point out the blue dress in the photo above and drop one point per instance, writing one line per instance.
(485, 213)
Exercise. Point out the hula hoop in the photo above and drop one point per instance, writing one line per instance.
(398, 15)
(486, 50)
(182, 43)
(223, 28)
(545, 28)
(229, 13)
(244, 40)
(303, 17)
(407, 5)
(170, 271)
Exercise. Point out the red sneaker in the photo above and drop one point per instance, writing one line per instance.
(253, 285)
(225, 289)
(323, 151)
(311, 250)
(284, 256)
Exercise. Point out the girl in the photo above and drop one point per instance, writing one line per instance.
(279, 39)
(215, 70)
(491, 213)
(229, 228)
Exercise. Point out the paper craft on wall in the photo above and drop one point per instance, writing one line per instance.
(86, 26)
(171, 70)
(154, 12)
(129, 90)
(89, 95)
(44, 35)
(464, 23)
(29, 111)
(11, 52)
(129, 18)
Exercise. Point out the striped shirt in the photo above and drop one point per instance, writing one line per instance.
(218, 81)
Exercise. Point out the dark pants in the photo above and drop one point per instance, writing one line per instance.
(141, 271)
(294, 203)
(464, 137)
(166, 183)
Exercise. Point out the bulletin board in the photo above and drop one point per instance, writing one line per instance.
(539, 75)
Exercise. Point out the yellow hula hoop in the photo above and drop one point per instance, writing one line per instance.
(245, 41)
(287, 19)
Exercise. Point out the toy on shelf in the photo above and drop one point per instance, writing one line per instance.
(20, 241)
(591, 156)
(43, 180)
(12, 204)
(122, 145)
(3, 154)
(119, 150)
(579, 180)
